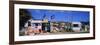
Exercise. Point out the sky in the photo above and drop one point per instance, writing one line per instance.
(60, 15)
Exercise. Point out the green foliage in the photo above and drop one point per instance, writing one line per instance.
(24, 17)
